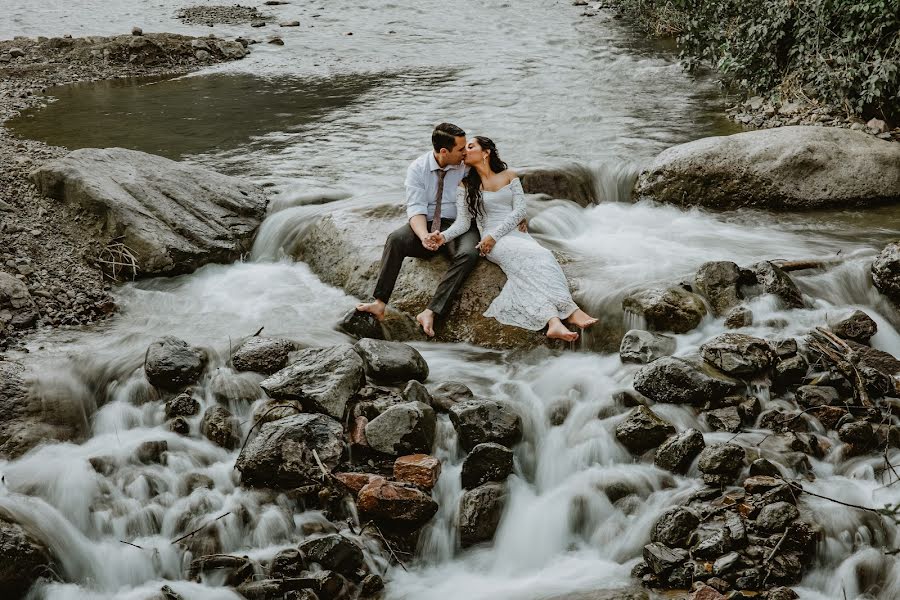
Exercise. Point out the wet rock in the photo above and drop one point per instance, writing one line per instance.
(784, 347)
(886, 271)
(706, 592)
(322, 378)
(180, 426)
(402, 428)
(718, 281)
(790, 371)
(858, 327)
(680, 381)
(486, 462)
(809, 396)
(858, 433)
(17, 308)
(673, 309)
(371, 585)
(418, 469)
(737, 354)
(784, 168)
(236, 569)
(264, 589)
(738, 317)
(774, 280)
(266, 355)
(289, 24)
(661, 559)
(361, 325)
(173, 216)
(763, 466)
(644, 346)
(221, 428)
(287, 563)
(572, 182)
(448, 393)
(281, 454)
(710, 541)
(334, 552)
(182, 405)
(391, 362)
(479, 421)
(724, 419)
(675, 526)
(480, 510)
(416, 392)
(152, 451)
(388, 501)
(643, 430)
(678, 452)
(721, 462)
(171, 363)
(774, 518)
(25, 559)
(782, 593)
(781, 421)
(737, 529)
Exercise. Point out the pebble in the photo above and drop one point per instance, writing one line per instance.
(289, 24)
(137, 31)
(277, 41)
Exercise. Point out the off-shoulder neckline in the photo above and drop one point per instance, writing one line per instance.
(514, 179)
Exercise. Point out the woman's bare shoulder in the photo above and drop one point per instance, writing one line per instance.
(509, 174)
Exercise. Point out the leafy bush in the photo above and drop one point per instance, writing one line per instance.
(841, 52)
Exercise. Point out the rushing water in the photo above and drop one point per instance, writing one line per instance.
(334, 118)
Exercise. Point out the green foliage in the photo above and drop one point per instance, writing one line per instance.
(842, 52)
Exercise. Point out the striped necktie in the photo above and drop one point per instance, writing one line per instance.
(436, 223)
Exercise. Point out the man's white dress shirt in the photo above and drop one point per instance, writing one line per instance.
(422, 184)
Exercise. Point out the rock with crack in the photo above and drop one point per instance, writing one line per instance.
(737, 354)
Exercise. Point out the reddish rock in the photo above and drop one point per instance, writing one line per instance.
(356, 481)
(761, 483)
(829, 415)
(358, 432)
(707, 593)
(419, 469)
(390, 501)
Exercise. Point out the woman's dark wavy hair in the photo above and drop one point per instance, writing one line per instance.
(474, 199)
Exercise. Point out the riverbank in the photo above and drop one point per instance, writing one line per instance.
(45, 244)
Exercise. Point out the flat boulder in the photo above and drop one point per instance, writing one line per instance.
(391, 362)
(667, 309)
(324, 379)
(479, 421)
(642, 430)
(266, 355)
(737, 354)
(173, 217)
(480, 510)
(682, 381)
(785, 168)
(640, 346)
(403, 428)
(171, 363)
(344, 249)
(281, 455)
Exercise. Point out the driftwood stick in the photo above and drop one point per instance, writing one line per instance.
(187, 535)
(130, 544)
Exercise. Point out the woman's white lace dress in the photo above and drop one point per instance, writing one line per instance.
(536, 289)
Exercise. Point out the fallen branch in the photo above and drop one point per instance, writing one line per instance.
(187, 535)
(811, 263)
(130, 544)
(386, 543)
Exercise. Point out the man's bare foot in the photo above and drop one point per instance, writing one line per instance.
(581, 319)
(557, 331)
(376, 308)
(426, 320)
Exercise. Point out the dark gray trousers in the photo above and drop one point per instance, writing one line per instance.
(403, 242)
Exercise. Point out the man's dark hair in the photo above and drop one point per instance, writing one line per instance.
(444, 136)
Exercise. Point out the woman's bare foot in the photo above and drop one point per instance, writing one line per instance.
(426, 320)
(376, 308)
(557, 331)
(581, 319)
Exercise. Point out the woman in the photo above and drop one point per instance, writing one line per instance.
(536, 292)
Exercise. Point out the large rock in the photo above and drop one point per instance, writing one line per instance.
(774, 280)
(718, 282)
(480, 510)
(886, 271)
(486, 462)
(682, 381)
(281, 455)
(675, 526)
(858, 327)
(395, 502)
(402, 429)
(737, 354)
(171, 363)
(324, 379)
(265, 355)
(344, 249)
(391, 362)
(479, 421)
(678, 452)
(640, 346)
(173, 217)
(23, 559)
(333, 552)
(572, 182)
(787, 168)
(17, 309)
(721, 463)
(672, 309)
(643, 430)
(774, 518)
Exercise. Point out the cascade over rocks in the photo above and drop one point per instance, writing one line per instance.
(718, 282)
(672, 309)
(645, 346)
(173, 217)
(171, 363)
(323, 379)
(281, 454)
(480, 510)
(266, 355)
(643, 430)
(737, 354)
(479, 421)
(682, 381)
(786, 168)
(391, 362)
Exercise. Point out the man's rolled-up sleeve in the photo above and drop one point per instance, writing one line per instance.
(416, 198)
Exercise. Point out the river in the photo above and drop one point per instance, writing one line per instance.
(338, 117)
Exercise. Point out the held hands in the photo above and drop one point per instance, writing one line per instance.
(486, 245)
(433, 241)
(523, 225)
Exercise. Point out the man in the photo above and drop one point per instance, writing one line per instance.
(431, 182)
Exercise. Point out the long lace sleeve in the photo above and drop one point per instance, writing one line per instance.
(463, 219)
(519, 212)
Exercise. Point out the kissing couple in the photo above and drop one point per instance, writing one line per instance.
(454, 192)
